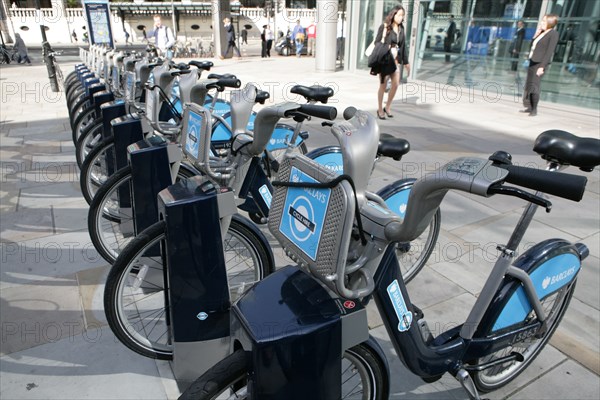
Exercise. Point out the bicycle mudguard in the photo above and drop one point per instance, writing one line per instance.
(280, 137)
(551, 265)
(296, 334)
(256, 189)
(330, 157)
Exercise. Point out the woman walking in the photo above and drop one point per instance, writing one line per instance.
(392, 34)
(21, 50)
(540, 56)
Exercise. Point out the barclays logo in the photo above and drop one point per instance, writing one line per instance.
(552, 280)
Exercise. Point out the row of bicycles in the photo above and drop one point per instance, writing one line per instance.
(182, 173)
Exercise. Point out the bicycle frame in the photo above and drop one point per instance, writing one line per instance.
(498, 318)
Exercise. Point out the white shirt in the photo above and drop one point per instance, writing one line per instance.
(164, 38)
(535, 42)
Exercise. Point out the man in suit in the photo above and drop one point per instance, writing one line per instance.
(542, 50)
(449, 39)
(230, 39)
(517, 43)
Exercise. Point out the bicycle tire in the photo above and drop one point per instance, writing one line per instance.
(487, 381)
(82, 121)
(132, 260)
(232, 372)
(82, 104)
(103, 216)
(94, 171)
(88, 140)
(76, 93)
(73, 91)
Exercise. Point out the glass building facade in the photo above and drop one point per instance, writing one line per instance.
(480, 54)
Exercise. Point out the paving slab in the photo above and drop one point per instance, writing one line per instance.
(90, 365)
(49, 195)
(567, 381)
(27, 224)
(49, 256)
(40, 312)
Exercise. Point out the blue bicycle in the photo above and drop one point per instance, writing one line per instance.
(302, 333)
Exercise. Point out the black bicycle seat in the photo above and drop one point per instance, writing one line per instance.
(316, 93)
(221, 76)
(181, 66)
(261, 96)
(393, 147)
(204, 65)
(567, 149)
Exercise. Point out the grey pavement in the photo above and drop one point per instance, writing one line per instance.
(55, 342)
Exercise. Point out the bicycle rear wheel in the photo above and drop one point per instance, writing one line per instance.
(134, 296)
(493, 378)
(363, 377)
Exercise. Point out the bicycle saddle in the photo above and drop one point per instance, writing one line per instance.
(202, 65)
(567, 149)
(221, 76)
(393, 147)
(261, 96)
(316, 93)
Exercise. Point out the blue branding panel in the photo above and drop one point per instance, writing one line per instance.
(221, 108)
(405, 317)
(280, 138)
(304, 213)
(266, 195)
(547, 278)
(332, 161)
(397, 202)
(194, 129)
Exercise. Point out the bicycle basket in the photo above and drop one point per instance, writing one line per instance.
(196, 134)
(313, 225)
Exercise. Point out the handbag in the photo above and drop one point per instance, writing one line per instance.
(380, 54)
(370, 49)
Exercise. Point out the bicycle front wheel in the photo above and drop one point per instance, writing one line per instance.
(94, 170)
(363, 377)
(134, 297)
(493, 378)
(110, 217)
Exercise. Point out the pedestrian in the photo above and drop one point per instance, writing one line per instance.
(516, 44)
(144, 35)
(21, 50)
(263, 42)
(163, 37)
(298, 36)
(542, 50)
(270, 37)
(74, 35)
(127, 38)
(311, 34)
(391, 32)
(244, 34)
(230, 39)
(449, 39)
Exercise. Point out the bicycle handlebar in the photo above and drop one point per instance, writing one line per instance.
(317, 111)
(559, 184)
